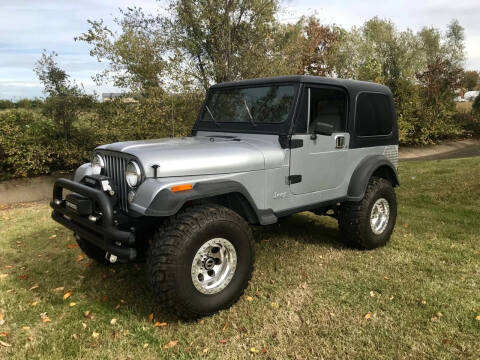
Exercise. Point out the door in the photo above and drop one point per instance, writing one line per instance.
(321, 161)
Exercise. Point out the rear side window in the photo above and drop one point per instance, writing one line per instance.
(374, 115)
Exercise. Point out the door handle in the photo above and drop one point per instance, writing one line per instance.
(339, 141)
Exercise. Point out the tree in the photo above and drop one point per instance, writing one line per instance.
(316, 43)
(470, 80)
(65, 98)
(137, 54)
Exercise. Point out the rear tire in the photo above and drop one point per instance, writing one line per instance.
(92, 251)
(200, 260)
(369, 223)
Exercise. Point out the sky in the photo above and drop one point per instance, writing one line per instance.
(29, 26)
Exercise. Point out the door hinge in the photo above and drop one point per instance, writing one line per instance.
(294, 179)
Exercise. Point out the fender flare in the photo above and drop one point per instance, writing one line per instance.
(364, 171)
(167, 203)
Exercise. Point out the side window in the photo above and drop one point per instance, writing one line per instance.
(328, 106)
(373, 115)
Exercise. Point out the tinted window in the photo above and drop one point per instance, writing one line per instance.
(374, 115)
(328, 106)
(257, 105)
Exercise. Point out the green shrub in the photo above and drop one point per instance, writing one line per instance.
(31, 145)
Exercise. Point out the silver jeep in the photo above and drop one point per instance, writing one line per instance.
(260, 150)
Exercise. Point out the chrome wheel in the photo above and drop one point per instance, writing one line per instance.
(213, 266)
(379, 216)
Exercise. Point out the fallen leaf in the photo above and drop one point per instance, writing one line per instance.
(274, 305)
(170, 344)
(8, 266)
(160, 324)
(223, 341)
(478, 317)
(75, 336)
(44, 317)
(72, 304)
(264, 350)
(117, 307)
(113, 321)
(145, 345)
(95, 335)
(80, 257)
(254, 350)
(5, 344)
(3, 276)
(67, 294)
(35, 303)
(367, 316)
(150, 317)
(52, 237)
(24, 277)
(84, 325)
(72, 246)
(103, 299)
(452, 246)
(26, 328)
(59, 288)
(205, 350)
(88, 315)
(3, 334)
(434, 318)
(372, 294)
(36, 286)
(249, 298)
(439, 314)
(424, 302)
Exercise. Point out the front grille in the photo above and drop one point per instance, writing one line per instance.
(115, 165)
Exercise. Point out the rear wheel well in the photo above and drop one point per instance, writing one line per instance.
(234, 201)
(386, 172)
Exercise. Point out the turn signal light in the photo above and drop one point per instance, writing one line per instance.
(182, 187)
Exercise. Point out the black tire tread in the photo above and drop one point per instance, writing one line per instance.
(163, 253)
(352, 213)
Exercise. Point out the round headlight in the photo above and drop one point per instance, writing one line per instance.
(133, 174)
(97, 164)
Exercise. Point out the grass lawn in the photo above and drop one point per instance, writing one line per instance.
(309, 298)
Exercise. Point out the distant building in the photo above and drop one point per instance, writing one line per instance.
(471, 95)
(124, 97)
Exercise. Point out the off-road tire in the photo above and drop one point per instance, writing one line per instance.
(92, 251)
(172, 250)
(354, 217)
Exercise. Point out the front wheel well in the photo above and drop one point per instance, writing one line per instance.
(234, 201)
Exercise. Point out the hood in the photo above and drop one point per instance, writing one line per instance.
(203, 155)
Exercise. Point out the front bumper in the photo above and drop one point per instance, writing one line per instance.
(104, 232)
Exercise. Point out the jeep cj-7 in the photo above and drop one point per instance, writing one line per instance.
(260, 150)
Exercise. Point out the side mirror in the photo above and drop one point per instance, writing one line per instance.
(324, 128)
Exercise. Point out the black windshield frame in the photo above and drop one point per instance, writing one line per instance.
(247, 127)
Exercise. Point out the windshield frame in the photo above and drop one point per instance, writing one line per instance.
(247, 127)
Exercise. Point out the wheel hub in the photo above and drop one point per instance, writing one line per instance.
(213, 266)
(379, 216)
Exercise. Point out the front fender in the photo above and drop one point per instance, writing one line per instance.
(364, 171)
(155, 198)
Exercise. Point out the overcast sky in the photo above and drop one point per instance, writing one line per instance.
(29, 26)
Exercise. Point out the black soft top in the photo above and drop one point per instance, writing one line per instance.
(352, 86)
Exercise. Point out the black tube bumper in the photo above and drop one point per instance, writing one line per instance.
(103, 232)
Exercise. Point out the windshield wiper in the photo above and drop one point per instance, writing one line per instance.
(249, 113)
(211, 115)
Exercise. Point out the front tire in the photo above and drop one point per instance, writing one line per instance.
(200, 260)
(369, 223)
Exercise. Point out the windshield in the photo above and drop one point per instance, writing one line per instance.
(252, 106)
